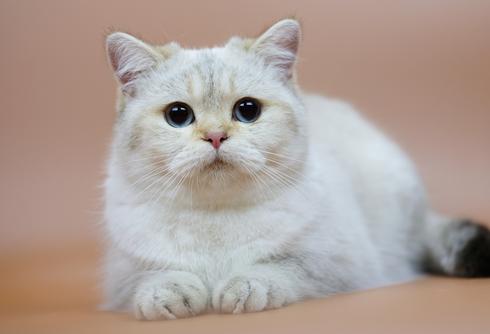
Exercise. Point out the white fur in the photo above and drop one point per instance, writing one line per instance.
(312, 200)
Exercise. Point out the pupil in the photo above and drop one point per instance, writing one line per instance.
(248, 109)
(179, 114)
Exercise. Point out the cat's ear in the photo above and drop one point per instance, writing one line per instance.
(279, 45)
(129, 58)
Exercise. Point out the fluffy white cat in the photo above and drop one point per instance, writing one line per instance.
(229, 190)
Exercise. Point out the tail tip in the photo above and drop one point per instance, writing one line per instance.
(473, 259)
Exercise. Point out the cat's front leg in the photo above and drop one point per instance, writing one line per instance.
(257, 288)
(169, 295)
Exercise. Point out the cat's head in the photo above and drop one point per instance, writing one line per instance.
(218, 124)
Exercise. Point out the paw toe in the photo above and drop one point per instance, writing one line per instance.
(160, 299)
(241, 295)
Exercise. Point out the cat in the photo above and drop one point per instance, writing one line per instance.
(229, 190)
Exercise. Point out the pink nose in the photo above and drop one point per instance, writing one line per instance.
(215, 138)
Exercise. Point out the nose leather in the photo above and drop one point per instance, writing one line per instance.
(215, 138)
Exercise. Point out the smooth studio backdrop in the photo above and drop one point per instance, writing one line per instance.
(419, 69)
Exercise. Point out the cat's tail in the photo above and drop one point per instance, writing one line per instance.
(457, 247)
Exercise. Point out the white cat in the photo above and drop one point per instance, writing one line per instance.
(230, 190)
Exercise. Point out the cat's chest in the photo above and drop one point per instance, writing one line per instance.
(212, 246)
(218, 232)
(210, 242)
(228, 237)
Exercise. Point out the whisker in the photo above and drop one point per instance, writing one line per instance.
(151, 185)
(280, 155)
(149, 175)
(289, 177)
(285, 180)
(155, 199)
(281, 164)
(177, 187)
(258, 180)
(146, 157)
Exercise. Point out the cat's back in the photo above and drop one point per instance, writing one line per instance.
(383, 178)
(337, 128)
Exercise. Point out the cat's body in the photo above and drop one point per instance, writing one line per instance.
(311, 202)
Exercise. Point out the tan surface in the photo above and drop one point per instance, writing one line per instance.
(419, 69)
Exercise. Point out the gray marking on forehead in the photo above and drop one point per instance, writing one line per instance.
(210, 70)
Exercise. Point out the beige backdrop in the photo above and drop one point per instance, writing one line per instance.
(419, 69)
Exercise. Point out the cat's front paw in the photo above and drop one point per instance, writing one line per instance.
(247, 294)
(170, 295)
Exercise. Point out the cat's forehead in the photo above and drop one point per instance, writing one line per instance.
(207, 75)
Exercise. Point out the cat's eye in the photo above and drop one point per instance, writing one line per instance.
(247, 110)
(179, 115)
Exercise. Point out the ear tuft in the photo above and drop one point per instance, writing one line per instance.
(129, 57)
(279, 45)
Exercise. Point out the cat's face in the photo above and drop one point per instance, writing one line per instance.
(212, 123)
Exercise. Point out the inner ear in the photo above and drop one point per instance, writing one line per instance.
(278, 46)
(129, 57)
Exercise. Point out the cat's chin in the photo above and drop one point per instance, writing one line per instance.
(218, 164)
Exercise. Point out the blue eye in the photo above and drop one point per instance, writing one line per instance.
(179, 115)
(246, 110)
